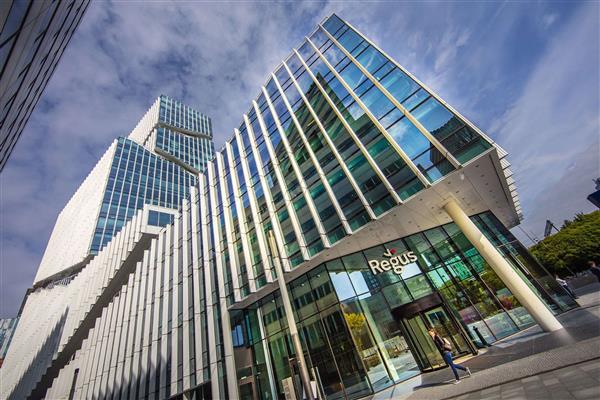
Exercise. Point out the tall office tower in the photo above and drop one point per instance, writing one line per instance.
(33, 37)
(156, 164)
(385, 211)
(152, 169)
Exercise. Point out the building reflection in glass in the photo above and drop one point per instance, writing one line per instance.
(363, 332)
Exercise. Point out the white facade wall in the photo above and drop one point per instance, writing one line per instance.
(53, 314)
(71, 237)
(145, 126)
(73, 231)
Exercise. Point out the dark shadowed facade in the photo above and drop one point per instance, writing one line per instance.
(33, 38)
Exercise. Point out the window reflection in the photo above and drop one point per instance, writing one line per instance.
(321, 356)
(340, 280)
(410, 270)
(365, 344)
(348, 320)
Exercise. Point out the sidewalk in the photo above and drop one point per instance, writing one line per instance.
(526, 354)
(578, 382)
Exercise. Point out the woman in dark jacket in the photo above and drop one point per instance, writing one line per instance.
(445, 349)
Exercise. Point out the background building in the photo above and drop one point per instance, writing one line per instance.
(7, 329)
(389, 212)
(147, 174)
(33, 38)
(156, 164)
(594, 197)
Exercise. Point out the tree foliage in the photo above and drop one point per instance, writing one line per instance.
(577, 243)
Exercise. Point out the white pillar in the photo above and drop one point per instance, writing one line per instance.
(289, 314)
(503, 269)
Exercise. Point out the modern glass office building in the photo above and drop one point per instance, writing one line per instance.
(362, 332)
(386, 210)
(33, 37)
(156, 165)
(159, 172)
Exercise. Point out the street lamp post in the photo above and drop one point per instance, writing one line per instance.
(287, 306)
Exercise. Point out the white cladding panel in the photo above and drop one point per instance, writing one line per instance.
(71, 237)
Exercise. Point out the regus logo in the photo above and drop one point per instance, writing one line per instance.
(393, 262)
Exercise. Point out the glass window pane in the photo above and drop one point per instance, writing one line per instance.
(306, 51)
(352, 75)
(294, 63)
(278, 346)
(418, 286)
(360, 274)
(270, 315)
(333, 24)
(319, 38)
(399, 84)
(388, 337)
(376, 102)
(335, 56)
(350, 40)
(354, 376)
(322, 359)
(365, 344)
(340, 280)
(436, 118)
(396, 294)
(371, 59)
(302, 297)
(410, 139)
(415, 99)
(323, 290)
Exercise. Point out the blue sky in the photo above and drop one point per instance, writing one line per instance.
(527, 73)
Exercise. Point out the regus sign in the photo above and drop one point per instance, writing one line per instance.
(393, 262)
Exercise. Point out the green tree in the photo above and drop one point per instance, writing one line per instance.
(357, 324)
(577, 242)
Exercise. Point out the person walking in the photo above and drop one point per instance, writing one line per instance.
(445, 348)
(594, 269)
(565, 286)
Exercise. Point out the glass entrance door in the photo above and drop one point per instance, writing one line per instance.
(448, 328)
(427, 355)
(425, 350)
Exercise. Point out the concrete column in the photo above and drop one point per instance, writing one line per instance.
(507, 274)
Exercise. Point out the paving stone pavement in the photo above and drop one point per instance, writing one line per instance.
(559, 358)
(520, 361)
(576, 382)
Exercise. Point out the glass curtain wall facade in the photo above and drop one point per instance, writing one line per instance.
(340, 141)
(358, 332)
(33, 37)
(338, 136)
(159, 172)
(137, 177)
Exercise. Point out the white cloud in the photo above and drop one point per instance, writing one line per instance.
(214, 56)
(548, 20)
(551, 131)
(449, 47)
